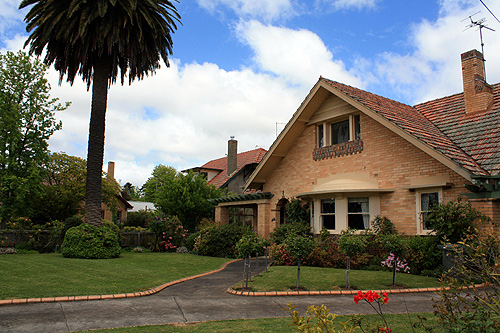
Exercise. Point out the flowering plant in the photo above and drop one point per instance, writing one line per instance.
(395, 262)
(372, 297)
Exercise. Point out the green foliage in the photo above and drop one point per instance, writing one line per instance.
(279, 234)
(27, 121)
(250, 244)
(185, 196)
(297, 212)
(219, 240)
(141, 218)
(423, 255)
(64, 189)
(452, 220)
(299, 246)
(131, 192)
(318, 319)
(169, 233)
(462, 309)
(351, 244)
(392, 243)
(381, 225)
(326, 254)
(89, 242)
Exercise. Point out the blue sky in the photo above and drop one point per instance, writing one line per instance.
(242, 67)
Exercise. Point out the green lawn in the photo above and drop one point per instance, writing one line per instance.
(399, 323)
(48, 275)
(283, 278)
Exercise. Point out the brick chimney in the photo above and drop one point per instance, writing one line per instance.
(111, 170)
(232, 155)
(478, 95)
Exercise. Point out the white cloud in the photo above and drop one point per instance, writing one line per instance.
(197, 107)
(433, 69)
(357, 4)
(298, 56)
(267, 10)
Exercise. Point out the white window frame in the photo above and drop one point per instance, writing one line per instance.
(359, 213)
(327, 130)
(341, 210)
(418, 199)
(322, 214)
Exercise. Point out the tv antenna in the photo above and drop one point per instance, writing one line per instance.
(481, 24)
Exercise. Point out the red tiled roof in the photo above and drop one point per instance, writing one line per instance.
(478, 134)
(249, 157)
(425, 123)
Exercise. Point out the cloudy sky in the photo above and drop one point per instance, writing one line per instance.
(242, 67)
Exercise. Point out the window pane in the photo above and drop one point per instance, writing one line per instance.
(329, 222)
(321, 137)
(357, 128)
(358, 221)
(340, 132)
(429, 200)
(358, 205)
(328, 206)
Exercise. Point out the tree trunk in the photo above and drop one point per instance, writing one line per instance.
(298, 272)
(95, 152)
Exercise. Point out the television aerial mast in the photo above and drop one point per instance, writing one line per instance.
(481, 24)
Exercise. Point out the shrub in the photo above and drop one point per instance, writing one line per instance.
(297, 212)
(462, 309)
(326, 254)
(423, 255)
(452, 220)
(219, 240)
(141, 219)
(169, 233)
(383, 226)
(283, 231)
(71, 222)
(89, 242)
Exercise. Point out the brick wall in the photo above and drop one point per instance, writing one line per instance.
(390, 159)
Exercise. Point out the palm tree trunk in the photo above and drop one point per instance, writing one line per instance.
(95, 152)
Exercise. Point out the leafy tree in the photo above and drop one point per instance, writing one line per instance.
(26, 123)
(299, 247)
(97, 40)
(63, 192)
(161, 176)
(184, 196)
(131, 192)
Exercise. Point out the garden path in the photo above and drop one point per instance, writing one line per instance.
(201, 299)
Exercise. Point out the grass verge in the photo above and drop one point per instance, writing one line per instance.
(50, 275)
(283, 278)
(399, 323)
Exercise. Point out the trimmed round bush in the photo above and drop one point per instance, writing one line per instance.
(89, 242)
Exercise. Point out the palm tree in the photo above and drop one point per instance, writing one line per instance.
(97, 39)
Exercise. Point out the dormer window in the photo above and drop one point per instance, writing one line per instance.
(339, 131)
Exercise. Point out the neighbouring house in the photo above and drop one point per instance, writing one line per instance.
(141, 205)
(352, 155)
(231, 172)
(122, 205)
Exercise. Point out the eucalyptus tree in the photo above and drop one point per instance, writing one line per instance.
(101, 40)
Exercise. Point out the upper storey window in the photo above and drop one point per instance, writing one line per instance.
(339, 131)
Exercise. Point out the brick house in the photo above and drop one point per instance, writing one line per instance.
(231, 172)
(353, 155)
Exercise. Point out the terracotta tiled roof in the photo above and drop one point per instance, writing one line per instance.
(422, 125)
(249, 157)
(478, 134)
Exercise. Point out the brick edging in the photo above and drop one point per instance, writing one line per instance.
(113, 296)
(340, 292)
